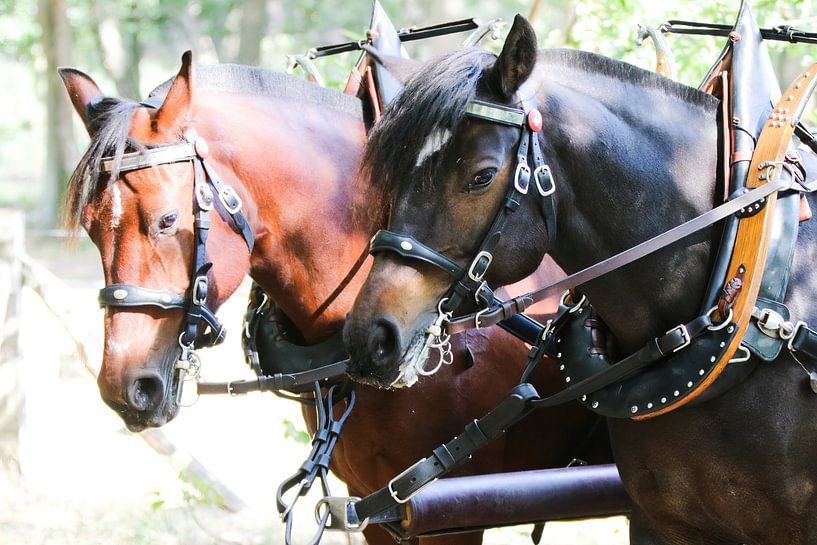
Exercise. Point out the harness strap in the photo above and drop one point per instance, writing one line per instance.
(278, 381)
(504, 310)
(317, 463)
(447, 456)
(128, 295)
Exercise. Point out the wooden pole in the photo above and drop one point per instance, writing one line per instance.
(12, 398)
(54, 293)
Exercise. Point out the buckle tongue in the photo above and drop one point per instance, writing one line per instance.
(521, 179)
(395, 496)
(685, 338)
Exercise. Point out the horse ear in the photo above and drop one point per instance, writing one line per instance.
(174, 115)
(82, 91)
(517, 59)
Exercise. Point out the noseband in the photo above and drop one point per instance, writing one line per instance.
(206, 187)
(470, 281)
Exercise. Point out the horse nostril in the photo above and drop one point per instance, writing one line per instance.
(384, 341)
(145, 392)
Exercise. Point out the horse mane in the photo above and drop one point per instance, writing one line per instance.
(435, 100)
(431, 101)
(586, 61)
(109, 119)
(251, 80)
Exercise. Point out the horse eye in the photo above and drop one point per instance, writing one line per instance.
(482, 179)
(167, 222)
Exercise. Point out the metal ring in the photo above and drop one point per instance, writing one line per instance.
(443, 301)
(721, 325)
(577, 306)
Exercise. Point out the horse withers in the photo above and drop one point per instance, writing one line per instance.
(290, 151)
(610, 156)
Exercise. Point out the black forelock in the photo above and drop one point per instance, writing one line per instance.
(431, 100)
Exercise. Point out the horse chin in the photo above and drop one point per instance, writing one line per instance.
(413, 361)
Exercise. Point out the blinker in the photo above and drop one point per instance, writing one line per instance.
(535, 120)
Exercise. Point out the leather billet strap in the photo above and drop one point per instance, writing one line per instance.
(276, 382)
(503, 311)
(448, 456)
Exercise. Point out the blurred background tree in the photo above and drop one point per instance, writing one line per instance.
(128, 47)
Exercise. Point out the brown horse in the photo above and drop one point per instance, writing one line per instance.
(629, 155)
(290, 150)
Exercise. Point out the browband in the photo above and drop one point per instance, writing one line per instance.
(504, 115)
(136, 160)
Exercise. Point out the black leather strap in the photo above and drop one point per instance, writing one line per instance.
(278, 381)
(128, 295)
(498, 313)
(317, 463)
(658, 348)
(410, 247)
(804, 342)
(449, 455)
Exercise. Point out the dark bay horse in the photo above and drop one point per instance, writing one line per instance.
(291, 151)
(632, 155)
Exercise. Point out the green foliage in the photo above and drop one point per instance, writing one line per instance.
(295, 433)
(129, 46)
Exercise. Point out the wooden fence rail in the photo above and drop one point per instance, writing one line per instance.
(55, 294)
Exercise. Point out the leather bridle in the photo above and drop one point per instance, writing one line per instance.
(470, 281)
(209, 192)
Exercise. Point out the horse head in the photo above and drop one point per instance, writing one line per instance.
(133, 192)
(479, 154)
(448, 174)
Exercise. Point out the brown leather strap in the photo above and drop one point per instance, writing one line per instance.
(504, 310)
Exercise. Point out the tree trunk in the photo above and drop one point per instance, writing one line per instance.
(60, 146)
(120, 48)
(254, 23)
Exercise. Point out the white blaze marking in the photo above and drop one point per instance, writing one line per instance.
(433, 143)
(116, 206)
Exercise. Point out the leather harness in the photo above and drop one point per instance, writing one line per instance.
(720, 329)
(206, 187)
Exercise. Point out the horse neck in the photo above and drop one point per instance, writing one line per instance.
(634, 162)
(296, 166)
